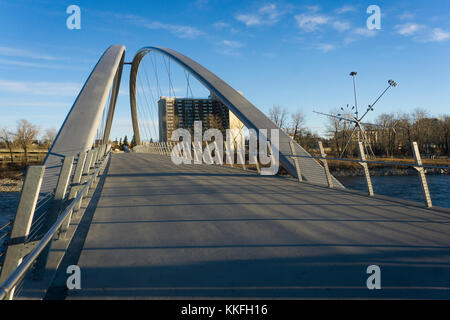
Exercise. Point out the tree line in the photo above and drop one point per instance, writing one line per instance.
(389, 135)
(24, 136)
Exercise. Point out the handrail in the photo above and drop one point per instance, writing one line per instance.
(370, 161)
(27, 262)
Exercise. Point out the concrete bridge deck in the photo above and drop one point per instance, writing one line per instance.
(199, 231)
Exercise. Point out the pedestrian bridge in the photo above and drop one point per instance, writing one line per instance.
(138, 226)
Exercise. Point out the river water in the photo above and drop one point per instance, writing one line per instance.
(405, 187)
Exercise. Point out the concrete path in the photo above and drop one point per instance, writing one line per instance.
(199, 231)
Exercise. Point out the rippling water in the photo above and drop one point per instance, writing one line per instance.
(405, 187)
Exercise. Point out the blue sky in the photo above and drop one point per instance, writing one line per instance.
(297, 54)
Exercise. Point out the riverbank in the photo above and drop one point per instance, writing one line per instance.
(340, 168)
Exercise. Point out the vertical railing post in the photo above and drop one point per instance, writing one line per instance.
(420, 170)
(75, 188)
(85, 177)
(362, 156)
(296, 162)
(325, 165)
(22, 222)
(53, 212)
(92, 168)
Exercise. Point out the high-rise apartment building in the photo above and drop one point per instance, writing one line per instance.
(177, 113)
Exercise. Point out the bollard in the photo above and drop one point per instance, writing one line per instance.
(362, 156)
(296, 162)
(423, 179)
(17, 246)
(325, 165)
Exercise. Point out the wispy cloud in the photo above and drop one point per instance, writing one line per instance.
(269, 14)
(408, 29)
(229, 47)
(15, 52)
(358, 34)
(439, 35)
(365, 32)
(310, 22)
(232, 44)
(9, 62)
(220, 25)
(341, 25)
(422, 33)
(325, 47)
(345, 9)
(181, 31)
(312, 8)
(40, 88)
(34, 104)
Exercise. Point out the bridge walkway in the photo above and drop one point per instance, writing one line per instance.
(204, 231)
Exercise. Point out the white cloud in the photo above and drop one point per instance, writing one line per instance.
(364, 32)
(407, 29)
(15, 52)
(9, 62)
(345, 9)
(232, 44)
(439, 35)
(310, 22)
(341, 25)
(33, 104)
(229, 47)
(220, 25)
(181, 31)
(266, 15)
(325, 47)
(407, 16)
(40, 88)
(422, 33)
(313, 8)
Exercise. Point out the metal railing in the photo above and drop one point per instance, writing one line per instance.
(417, 165)
(22, 254)
(165, 148)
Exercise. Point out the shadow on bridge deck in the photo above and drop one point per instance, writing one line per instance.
(199, 231)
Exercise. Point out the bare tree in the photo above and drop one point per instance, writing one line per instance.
(25, 134)
(298, 120)
(49, 137)
(340, 132)
(278, 115)
(387, 133)
(8, 138)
